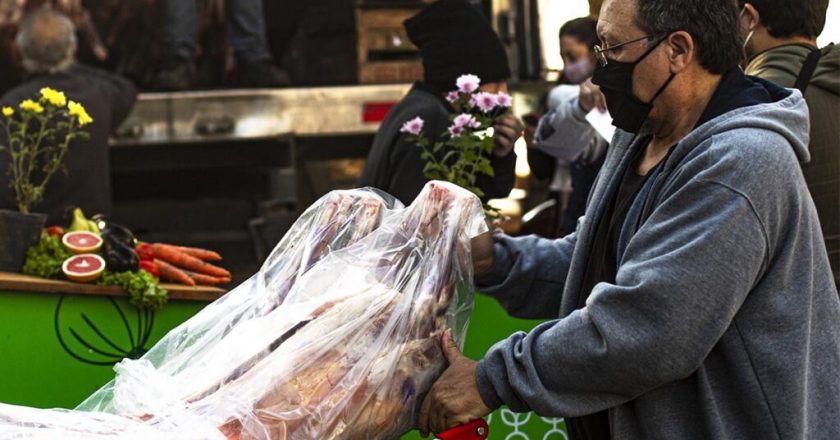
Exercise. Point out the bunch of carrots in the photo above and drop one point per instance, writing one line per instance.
(184, 265)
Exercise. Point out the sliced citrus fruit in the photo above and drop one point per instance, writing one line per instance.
(82, 242)
(83, 268)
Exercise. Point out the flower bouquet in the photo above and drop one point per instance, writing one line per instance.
(463, 151)
(37, 139)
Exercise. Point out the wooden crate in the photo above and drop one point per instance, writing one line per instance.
(386, 55)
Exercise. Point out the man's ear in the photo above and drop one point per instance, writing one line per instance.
(681, 51)
(750, 18)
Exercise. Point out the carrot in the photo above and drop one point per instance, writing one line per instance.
(203, 254)
(173, 256)
(206, 280)
(172, 273)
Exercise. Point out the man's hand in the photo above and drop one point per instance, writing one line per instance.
(482, 253)
(591, 97)
(454, 399)
(506, 131)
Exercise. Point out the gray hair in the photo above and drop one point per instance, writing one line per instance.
(47, 41)
(713, 24)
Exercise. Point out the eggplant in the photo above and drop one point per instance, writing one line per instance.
(119, 256)
(116, 231)
(120, 234)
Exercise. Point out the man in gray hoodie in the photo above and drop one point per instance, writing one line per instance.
(695, 300)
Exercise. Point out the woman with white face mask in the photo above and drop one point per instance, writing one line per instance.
(563, 133)
(577, 38)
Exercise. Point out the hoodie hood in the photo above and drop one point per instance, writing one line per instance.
(787, 115)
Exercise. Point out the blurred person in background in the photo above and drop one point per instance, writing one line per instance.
(47, 44)
(11, 13)
(87, 34)
(563, 134)
(246, 32)
(781, 46)
(454, 39)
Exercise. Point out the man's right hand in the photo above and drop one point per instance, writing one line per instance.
(482, 253)
(591, 97)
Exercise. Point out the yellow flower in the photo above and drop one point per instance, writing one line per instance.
(8, 112)
(80, 113)
(53, 96)
(32, 106)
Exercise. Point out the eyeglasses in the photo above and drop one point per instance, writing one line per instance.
(600, 53)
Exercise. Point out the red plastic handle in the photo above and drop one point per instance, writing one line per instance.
(475, 430)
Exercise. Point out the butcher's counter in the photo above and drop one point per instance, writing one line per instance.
(60, 340)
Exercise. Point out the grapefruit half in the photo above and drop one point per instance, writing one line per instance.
(81, 242)
(83, 268)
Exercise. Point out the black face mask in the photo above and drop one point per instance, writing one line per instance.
(616, 83)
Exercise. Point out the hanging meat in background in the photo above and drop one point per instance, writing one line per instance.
(336, 337)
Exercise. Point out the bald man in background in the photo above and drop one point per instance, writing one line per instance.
(47, 44)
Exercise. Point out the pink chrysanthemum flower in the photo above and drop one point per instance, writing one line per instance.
(468, 83)
(487, 102)
(414, 126)
(464, 120)
(504, 100)
(456, 131)
(452, 96)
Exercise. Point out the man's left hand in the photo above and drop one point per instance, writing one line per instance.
(507, 130)
(454, 399)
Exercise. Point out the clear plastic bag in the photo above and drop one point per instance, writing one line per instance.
(336, 337)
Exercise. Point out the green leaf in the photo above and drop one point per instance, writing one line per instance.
(430, 167)
(451, 156)
(486, 168)
(45, 258)
(142, 287)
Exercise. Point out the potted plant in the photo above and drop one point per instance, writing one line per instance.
(36, 136)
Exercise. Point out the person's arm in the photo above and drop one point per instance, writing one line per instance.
(564, 132)
(673, 299)
(528, 274)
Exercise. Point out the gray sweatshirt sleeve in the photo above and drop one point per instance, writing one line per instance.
(528, 274)
(674, 298)
(564, 133)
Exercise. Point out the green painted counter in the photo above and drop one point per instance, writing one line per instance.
(37, 344)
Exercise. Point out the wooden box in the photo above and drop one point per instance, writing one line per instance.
(386, 55)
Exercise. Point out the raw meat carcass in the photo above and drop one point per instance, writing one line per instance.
(336, 337)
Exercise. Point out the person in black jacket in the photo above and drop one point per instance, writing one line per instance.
(47, 44)
(454, 39)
